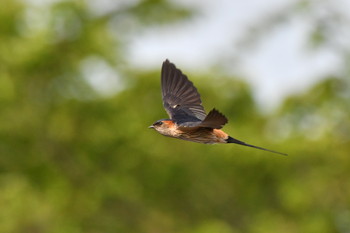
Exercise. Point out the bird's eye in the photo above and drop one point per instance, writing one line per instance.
(158, 123)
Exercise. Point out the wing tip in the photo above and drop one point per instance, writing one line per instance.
(167, 62)
(168, 66)
(219, 114)
(215, 120)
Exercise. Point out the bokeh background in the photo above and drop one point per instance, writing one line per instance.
(79, 85)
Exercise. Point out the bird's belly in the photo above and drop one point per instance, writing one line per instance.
(205, 136)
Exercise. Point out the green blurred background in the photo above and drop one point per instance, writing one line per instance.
(75, 159)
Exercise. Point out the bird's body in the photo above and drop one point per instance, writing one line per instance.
(188, 120)
(204, 135)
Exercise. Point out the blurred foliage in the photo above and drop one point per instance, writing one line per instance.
(76, 160)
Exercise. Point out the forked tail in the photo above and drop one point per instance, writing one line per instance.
(233, 140)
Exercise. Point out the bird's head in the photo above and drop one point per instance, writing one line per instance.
(165, 127)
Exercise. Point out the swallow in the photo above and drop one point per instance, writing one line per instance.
(188, 119)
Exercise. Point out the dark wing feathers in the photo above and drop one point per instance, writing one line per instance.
(181, 99)
(215, 120)
(183, 103)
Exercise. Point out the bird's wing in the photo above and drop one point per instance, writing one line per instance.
(181, 99)
(214, 120)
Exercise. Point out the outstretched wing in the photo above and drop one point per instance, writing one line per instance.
(214, 120)
(181, 99)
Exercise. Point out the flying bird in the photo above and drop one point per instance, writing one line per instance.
(188, 119)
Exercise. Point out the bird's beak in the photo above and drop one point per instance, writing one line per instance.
(151, 127)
